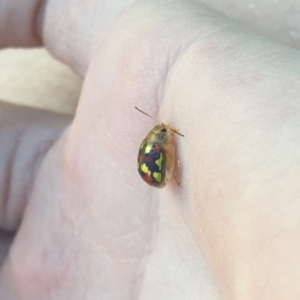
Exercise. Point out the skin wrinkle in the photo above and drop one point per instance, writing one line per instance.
(6, 188)
(6, 238)
(32, 164)
(23, 155)
(6, 200)
(37, 20)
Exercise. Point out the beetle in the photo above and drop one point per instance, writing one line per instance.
(156, 157)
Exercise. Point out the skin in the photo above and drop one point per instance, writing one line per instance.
(85, 225)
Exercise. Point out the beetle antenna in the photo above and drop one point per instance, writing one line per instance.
(176, 131)
(144, 113)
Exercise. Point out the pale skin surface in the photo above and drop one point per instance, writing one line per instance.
(90, 228)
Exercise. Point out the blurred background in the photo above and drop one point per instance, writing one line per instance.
(32, 77)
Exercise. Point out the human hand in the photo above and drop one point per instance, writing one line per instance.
(92, 229)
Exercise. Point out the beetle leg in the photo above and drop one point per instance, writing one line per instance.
(177, 181)
(176, 130)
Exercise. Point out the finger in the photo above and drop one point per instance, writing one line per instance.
(26, 135)
(73, 40)
(18, 23)
(71, 29)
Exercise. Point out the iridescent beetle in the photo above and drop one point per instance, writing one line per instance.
(156, 158)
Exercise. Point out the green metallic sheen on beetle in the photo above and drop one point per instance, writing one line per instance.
(156, 157)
